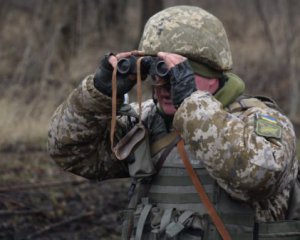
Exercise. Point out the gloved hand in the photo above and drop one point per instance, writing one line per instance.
(182, 78)
(103, 77)
(182, 82)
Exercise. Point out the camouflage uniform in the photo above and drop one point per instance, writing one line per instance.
(246, 165)
(252, 168)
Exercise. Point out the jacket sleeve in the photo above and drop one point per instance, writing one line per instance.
(247, 165)
(78, 135)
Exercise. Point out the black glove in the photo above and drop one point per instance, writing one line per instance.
(182, 82)
(103, 79)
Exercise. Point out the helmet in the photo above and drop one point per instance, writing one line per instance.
(189, 31)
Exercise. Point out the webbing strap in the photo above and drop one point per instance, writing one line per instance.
(202, 194)
(163, 142)
(142, 220)
(166, 218)
(174, 228)
(280, 230)
(168, 148)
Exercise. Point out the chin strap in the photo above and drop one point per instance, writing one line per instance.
(202, 194)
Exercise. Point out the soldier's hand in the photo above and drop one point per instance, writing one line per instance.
(182, 78)
(103, 75)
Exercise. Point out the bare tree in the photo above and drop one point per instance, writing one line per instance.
(282, 32)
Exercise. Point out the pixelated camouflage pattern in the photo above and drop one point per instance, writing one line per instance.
(247, 166)
(79, 135)
(189, 31)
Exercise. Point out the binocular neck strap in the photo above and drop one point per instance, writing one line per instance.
(113, 106)
(139, 87)
(114, 99)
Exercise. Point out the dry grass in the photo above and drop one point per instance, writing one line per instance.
(19, 127)
(23, 122)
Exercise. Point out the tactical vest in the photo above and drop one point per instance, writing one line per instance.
(167, 206)
(183, 216)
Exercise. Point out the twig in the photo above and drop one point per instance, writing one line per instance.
(41, 185)
(22, 212)
(59, 224)
(4, 198)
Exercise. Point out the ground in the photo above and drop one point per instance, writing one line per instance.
(40, 201)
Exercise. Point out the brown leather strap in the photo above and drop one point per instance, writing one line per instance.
(201, 192)
(114, 107)
(139, 86)
(114, 99)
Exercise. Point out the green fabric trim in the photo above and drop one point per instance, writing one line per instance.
(279, 230)
(178, 181)
(233, 88)
(175, 198)
(180, 171)
(205, 71)
(164, 189)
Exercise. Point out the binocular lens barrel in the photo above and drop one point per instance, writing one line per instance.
(124, 65)
(149, 65)
(161, 69)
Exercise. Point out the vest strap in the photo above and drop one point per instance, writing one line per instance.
(174, 228)
(141, 223)
(289, 230)
(163, 142)
(166, 218)
(202, 194)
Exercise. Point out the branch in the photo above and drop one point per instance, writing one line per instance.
(10, 200)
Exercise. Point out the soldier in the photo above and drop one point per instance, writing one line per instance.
(242, 148)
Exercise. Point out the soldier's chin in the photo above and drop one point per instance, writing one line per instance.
(169, 109)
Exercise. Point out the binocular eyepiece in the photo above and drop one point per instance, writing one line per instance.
(149, 65)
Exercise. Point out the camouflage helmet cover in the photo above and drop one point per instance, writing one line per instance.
(189, 31)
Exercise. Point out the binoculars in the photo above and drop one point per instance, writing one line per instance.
(149, 65)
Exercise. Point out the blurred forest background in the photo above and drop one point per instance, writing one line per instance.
(48, 46)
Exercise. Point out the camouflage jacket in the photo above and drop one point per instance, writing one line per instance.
(247, 165)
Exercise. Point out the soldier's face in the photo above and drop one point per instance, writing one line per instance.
(163, 92)
(163, 95)
(205, 84)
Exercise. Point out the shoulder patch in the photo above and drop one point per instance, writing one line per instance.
(267, 126)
